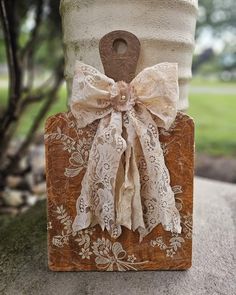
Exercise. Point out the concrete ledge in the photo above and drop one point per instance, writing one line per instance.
(23, 264)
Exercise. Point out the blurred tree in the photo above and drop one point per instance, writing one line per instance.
(218, 16)
(200, 59)
(31, 32)
(217, 20)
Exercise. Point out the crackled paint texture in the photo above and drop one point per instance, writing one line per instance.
(67, 151)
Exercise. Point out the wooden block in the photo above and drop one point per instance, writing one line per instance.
(67, 149)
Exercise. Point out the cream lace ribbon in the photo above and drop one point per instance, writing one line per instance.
(126, 181)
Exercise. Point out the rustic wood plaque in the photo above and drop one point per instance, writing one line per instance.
(67, 150)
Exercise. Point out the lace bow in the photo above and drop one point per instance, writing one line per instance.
(126, 181)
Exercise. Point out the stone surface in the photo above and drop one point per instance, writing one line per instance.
(39, 188)
(13, 198)
(165, 29)
(24, 269)
(27, 185)
(32, 199)
(13, 181)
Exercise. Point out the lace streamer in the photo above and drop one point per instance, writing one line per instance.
(126, 182)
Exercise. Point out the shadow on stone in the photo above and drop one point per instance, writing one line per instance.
(23, 242)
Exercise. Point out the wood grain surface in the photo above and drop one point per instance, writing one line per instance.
(67, 149)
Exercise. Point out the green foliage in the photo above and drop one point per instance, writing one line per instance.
(210, 67)
(214, 114)
(217, 19)
(26, 121)
(32, 36)
(2, 49)
(217, 15)
(49, 35)
(28, 118)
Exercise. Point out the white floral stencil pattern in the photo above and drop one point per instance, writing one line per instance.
(102, 198)
(102, 252)
(176, 240)
(78, 150)
(111, 256)
(107, 255)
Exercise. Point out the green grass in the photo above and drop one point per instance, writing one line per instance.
(214, 116)
(215, 122)
(201, 82)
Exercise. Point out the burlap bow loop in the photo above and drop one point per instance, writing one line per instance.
(126, 181)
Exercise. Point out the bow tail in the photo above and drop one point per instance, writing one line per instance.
(157, 196)
(129, 206)
(96, 203)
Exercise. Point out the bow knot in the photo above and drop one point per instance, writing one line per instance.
(122, 96)
(126, 182)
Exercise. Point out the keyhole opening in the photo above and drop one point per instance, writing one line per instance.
(120, 46)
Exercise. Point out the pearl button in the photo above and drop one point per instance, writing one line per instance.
(123, 97)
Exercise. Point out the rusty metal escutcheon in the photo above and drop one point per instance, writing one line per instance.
(119, 65)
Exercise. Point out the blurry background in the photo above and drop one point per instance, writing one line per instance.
(32, 88)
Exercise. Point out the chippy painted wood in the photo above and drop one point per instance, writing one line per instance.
(67, 149)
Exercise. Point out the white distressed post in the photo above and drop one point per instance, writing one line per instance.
(165, 29)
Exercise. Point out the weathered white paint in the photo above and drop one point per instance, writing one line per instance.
(165, 29)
